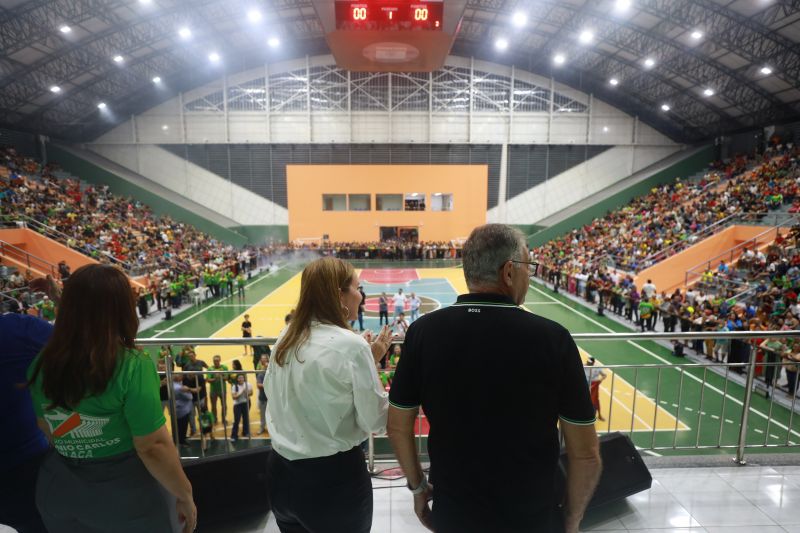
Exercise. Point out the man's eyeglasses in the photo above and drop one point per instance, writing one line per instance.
(533, 266)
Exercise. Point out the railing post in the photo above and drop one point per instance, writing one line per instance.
(171, 401)
(748, 396)
(371, 454)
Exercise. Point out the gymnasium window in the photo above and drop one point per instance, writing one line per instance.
(359, 202)
(442, 201)
(415, 201)
(334, 202)
(389, 202)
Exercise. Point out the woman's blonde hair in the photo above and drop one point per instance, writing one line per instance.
(320, 287)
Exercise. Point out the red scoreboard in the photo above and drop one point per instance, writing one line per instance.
(389, 15)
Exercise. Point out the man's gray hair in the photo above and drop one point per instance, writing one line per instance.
(487, 248)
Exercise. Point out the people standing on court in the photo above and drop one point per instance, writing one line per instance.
(247, 332)
(400, 326)
(96, 398)
(241, 392)
(197, 384)
(184, 406)
(514, 490)
(217, 388)
(360, 310)
(325, 400)
(594, 377)
(415, 304)
(383, 310)
(399, 302)
(262, 393)
(258, 351)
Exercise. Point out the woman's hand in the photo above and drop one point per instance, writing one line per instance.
(187, 513)
(380, 345)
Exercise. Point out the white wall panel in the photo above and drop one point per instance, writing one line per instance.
(409, 127)
(569, 128)
(370, 127)
(286, 127)
(578, 183)
(330, 127)
(529, 128)
(449, 128)
(200, 128)
(248, 127)
(196, 183)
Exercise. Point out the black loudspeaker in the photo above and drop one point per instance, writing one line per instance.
(624, 472)
(228, 486)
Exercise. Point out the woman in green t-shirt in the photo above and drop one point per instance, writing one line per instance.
(96, 397)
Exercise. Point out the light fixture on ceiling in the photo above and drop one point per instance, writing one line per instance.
(605, 129)
(519, 19)
(156, 79)
(708, 91)
(649, 62)
(65, 29)
(184, 33)
(697, 35)
(254, 15)
(146, 2)
(164, 127)
(501, 43)
(665, 107)
(586, 37)
(274, 42)
(101, 106)
(55, 89)
(765, 70)
(622, 5)
(214, 57)
(559, 59)
(118, 59)
(613, 82)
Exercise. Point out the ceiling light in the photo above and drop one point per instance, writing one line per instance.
(586, 37)
(559, 59)
(622, 5)
(55, 89)
(164, 127)
(101, 105)
(146, 2)
(213, 57)
(157, 79)
(254, 15)
(65, 29)
(649, 62)
(605, 129)
(665, 107)
(697, 34)
(708, 91)
(613, 81)
(185, 33)
(766, 71)
(519, 19)
(274, 42)
(501, 44)
(118, 59)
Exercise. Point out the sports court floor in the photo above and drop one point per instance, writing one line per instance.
(663, 408)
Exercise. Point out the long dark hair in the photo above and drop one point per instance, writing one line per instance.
(96, 318)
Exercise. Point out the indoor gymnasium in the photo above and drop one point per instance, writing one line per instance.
(213, 157)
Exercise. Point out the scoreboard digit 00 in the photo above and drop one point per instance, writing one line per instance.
(392, 15)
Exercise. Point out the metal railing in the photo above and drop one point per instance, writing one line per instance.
(676, 397)
(763, 238)
(29, 260)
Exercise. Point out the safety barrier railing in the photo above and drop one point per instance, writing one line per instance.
(663, 407)
(29, 260)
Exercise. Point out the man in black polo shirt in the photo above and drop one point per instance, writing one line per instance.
(517, 376)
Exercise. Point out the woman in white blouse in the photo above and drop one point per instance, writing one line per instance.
(325, 400)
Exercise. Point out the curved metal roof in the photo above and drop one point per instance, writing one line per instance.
(739, 38)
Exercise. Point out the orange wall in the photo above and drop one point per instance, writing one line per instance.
(307, 183)
(671, 273)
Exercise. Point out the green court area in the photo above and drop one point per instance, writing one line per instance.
(663, 407)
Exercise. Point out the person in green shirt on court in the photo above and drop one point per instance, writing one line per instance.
(646, 308)
(96, 398)
(217, 388)
(240, 282)
(47, 309)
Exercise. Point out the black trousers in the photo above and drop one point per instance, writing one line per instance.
(322, 495)
(17, 497)
(453, 516)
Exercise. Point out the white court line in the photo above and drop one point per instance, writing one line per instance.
(645, 350)
(215, 304)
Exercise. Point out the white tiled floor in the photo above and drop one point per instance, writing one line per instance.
(687, 500)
